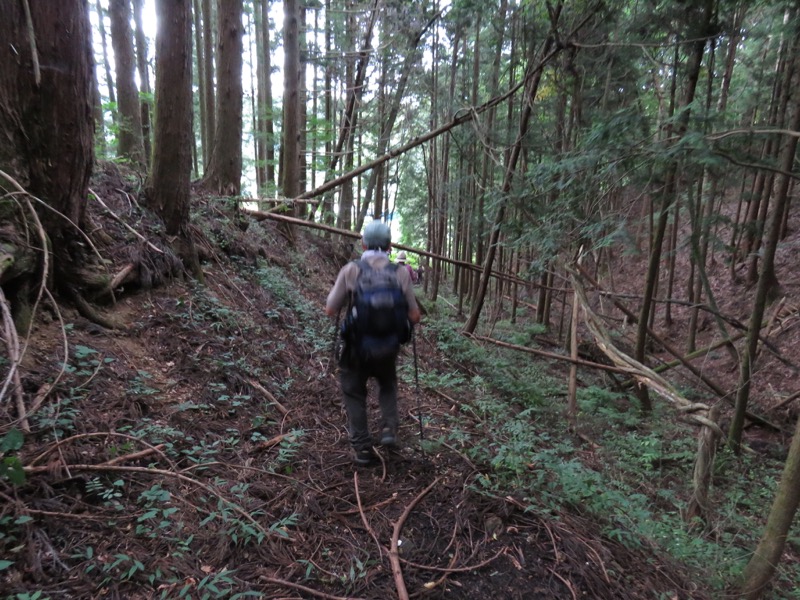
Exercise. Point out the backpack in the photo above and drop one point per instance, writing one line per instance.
(377, 318)
(412, 273)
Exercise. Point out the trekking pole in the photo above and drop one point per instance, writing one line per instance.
(335, 341)
(416, 382)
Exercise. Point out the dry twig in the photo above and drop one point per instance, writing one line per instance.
(394, 555)
(149, 471)
(367, 526)
(302, 588)
(117, 218)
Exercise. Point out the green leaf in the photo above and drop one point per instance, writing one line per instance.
(12, 440)
(4, 564)
(11, 467)
(82, 351)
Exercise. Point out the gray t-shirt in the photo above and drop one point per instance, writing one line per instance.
(346, 281)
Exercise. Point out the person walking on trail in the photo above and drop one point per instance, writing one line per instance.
(401, 260)
(381, 311)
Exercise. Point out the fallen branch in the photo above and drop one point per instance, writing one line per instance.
(119, 278)
(784, 402)
(553, 355)
(452, 569)
(262, 216)
(302, 588)
(566, 582)
(642, 373)
(265, 445)
(394, 555)
(15, 358)
(124, 224)
(283, 410)
(375, 506)
(727, 396)
(108, 463)
(367, 526)
(437, 582)
(57, 444)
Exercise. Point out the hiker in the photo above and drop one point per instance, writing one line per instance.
(372, 335)
(401, 260)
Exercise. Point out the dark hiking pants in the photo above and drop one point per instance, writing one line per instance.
(353, 378)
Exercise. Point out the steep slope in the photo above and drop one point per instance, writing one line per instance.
(200, 450)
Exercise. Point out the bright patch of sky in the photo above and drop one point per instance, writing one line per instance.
(150, 26)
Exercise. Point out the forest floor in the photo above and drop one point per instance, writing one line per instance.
(199, 450)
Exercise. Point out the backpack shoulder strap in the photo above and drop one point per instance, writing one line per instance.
(363, 265)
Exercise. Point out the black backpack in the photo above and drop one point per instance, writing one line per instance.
(377, 318)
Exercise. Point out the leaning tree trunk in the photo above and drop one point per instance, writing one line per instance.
(765, 559)
(387, 123)
(47, 127)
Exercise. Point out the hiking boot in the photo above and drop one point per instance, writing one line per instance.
(388, 437)
(364, 457)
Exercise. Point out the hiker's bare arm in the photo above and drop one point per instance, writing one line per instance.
(337, 297)
(407, 286)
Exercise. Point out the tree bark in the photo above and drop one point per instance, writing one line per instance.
(129, 137)
(224, 172)
(765, 559)
(767, 281)
(168, 186)
(290, 175)
(47, 127)
(144, 77)
(209, 93)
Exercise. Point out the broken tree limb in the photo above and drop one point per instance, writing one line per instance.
(694, 411)
(281, 408)
(726, 396)
(784, 402)
(553, 355)
(394, 554)
(697, 353)
(15, 357)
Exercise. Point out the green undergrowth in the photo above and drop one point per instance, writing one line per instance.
(632, 477)
(198, 434)
(628, 472)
